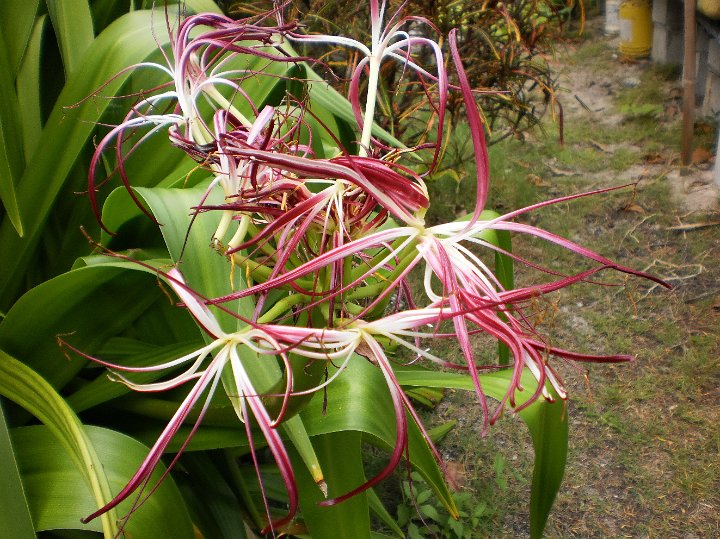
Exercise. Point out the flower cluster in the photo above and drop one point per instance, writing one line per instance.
(327, 237)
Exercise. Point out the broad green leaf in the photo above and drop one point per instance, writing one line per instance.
(360, 401)
(189, 247)
(26, 388)
(547, 423)
(505, 273)
(16, 22)
(106, 11)
(341, 459)
(85, 306)
(205, 438)
(128, 40)
(15, 520)
(202, 6)
(12, 160)
(72, 20)
(59, 497)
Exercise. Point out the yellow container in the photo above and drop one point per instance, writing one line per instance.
(635, 28)
(709, 8)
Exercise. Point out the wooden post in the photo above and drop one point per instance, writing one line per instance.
(688, 84)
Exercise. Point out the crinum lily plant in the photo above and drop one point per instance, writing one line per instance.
(318, 233)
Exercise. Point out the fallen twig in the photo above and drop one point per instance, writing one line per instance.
(693, 226)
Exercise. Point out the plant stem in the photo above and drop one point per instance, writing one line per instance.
(370, 104)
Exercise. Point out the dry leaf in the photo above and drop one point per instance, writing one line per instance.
(701, 155)
(456, 475)
(559, 172)
(653, 159)
(601, 147)
(636, 208)
(536, 180)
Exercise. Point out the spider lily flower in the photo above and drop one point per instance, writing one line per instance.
(364, 185)
(311, 228)
(205, 366)
(200, 67)
(470, 294)
(390, 42)
(206, 372)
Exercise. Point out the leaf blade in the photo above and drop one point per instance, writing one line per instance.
(26, 388)
(15, 518)
(127, 41)
(72, 20)
(59, 497)
(16, 22)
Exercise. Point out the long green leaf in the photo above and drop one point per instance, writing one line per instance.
(128, 40)
(202, 6)
(340, 455)
(59, 497)
(215, 508)
(86, 306)
(72, 20)
(28, 89)
(16, 22)
(359, 401)
(548, 425)
(12, 159)
(505, 273)
(15, 519)
(26, 388)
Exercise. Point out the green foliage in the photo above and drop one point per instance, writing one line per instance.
(421, 516)
(52, 288)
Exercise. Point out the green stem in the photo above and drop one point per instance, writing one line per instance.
(372, 290)
(368, 117)
(282, 306)
(362, 269)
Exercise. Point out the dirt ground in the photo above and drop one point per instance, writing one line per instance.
(644, 437)
(591, 89)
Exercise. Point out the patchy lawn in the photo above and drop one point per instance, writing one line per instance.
(644, 437)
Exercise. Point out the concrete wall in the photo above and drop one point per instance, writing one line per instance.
(667, 16)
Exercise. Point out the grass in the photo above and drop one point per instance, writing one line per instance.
(644, 436)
